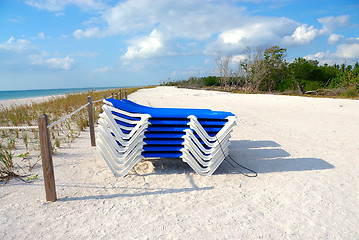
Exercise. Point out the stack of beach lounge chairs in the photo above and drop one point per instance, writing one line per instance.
(129, 132)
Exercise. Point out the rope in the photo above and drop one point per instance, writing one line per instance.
(68, 115)
(18, 127)
(97, 101)
(52, 124)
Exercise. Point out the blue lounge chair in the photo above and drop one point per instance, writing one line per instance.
(129, 132)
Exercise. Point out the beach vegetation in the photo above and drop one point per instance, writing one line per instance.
(57, 142)
(67, 131)
(33, 178)
(27, 158)
(7, 170)
(267, 70)
(350, 92)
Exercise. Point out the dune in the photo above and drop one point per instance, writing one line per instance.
(305, 151)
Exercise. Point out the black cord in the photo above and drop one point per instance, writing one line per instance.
(245, 174)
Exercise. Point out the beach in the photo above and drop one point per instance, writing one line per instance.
(305, 151)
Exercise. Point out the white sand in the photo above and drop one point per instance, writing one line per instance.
(305, 150)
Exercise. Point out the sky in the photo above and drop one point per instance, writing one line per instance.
(47, 44)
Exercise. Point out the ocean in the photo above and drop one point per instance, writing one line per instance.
(18, 94)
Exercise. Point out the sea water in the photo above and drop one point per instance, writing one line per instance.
(18, 94)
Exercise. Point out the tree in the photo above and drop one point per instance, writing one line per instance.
(275, 68)
(253, 68)
(224, 70)
(309, 76)
(240, 76)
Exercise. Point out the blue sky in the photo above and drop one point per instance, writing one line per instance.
(102, 43)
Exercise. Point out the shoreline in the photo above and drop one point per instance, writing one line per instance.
(29, 100)
(20, 94)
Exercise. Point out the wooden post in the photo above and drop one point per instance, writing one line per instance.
(125, 93)
(121, 94)
(46, 157)
(104, 96)
(91, 122)
(116, 95)
(111, 95)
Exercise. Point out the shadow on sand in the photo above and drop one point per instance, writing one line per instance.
(268, 157)
(261, 156)
(137, 191)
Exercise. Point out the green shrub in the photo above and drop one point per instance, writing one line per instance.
(351, 92)
(211, 81)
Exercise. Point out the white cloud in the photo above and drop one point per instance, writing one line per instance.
(352, 40)
(16, 45)
(146, 47)
(39, 60)
(238, 58)
(302, 35)
(253, 32)
(88, 33)
(335, 38)
(41, 36)
(14, 54)
(331, 23)
(305, 34)
(132, 16)
(11, 40)
(166, 27)
(194, 19)
(166, 21)
(319, 55)
(20, 53)
(347, 52)
(59, 5)
(65, 63)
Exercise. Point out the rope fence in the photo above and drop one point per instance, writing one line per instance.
(49, 126)
(45, 143)
(68, 115)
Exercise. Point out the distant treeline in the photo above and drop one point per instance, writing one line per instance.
(268, 71)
